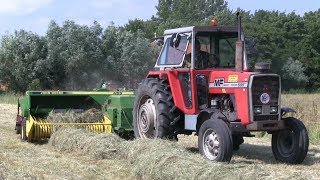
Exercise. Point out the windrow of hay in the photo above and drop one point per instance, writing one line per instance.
(161, 159)
(100, 146)
(89, 116)
(155, 159)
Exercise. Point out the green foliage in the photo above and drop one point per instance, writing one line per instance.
(178, 13)
(136, 59)
(20, 55)
(293, 74)
(35, 85)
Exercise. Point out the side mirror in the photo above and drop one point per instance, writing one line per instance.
(160, 42)
(175, 40)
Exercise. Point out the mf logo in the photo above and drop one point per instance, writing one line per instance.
(218, 82)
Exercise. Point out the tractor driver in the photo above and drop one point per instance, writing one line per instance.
(201, 57)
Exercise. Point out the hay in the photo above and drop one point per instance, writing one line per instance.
(150, 159)
(100, 146)
(3, 170)
(88, 116)
(161, 159)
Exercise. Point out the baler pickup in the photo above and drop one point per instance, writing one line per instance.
(115, 107)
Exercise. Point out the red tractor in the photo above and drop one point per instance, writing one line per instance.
(203, 85)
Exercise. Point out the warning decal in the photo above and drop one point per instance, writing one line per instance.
(233, 78)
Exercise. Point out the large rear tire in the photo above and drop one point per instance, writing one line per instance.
(215, 140)
(154, 111)
(291, 144)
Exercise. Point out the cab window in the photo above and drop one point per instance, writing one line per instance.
(227, 52)
(220, 46)
(173, 56)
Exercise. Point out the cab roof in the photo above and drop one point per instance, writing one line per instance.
(201, 29)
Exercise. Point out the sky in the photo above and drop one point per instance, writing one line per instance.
(35, 15)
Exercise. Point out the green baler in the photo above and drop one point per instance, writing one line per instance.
(36, 105)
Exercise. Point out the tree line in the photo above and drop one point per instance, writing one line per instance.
(80, 57)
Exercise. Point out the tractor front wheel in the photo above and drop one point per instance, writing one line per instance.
(291, 144)
(154, 110)
(215, 140)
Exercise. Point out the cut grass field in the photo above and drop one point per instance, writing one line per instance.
(150, 159)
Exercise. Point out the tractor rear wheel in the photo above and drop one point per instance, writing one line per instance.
(291, 144)
(154, 110)
(215, 140)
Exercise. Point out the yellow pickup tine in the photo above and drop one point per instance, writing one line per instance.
(37, 130)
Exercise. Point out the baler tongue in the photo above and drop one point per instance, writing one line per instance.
(44, 111)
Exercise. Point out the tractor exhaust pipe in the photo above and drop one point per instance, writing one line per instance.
(239, 47)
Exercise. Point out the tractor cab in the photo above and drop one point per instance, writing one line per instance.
(199, 48)
(194, 54)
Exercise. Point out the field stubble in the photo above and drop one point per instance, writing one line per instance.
(77, 154)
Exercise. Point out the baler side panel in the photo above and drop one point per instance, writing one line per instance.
(119, 109)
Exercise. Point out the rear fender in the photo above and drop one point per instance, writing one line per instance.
(157, 74)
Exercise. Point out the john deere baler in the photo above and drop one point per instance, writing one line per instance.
(36, 105)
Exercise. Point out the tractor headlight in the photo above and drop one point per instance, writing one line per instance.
(257, 110)
(273, 110)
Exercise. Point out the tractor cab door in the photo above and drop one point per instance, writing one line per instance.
(188, 80)
(212, 52)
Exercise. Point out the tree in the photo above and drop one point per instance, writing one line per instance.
(55, 62)
(20, 56)
(279, 36)
(136, 58)
(173, 14)
(293, 75)
(76, 52)
(309, 49)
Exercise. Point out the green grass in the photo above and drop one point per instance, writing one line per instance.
(9, 98)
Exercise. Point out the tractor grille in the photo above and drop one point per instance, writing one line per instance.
(265, 97)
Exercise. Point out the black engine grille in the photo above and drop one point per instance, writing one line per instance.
(265, 84)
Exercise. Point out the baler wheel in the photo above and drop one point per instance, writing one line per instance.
(154, 110)
(291, 144)
(215, 140)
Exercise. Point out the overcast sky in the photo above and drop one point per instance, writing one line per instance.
(34, 15)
